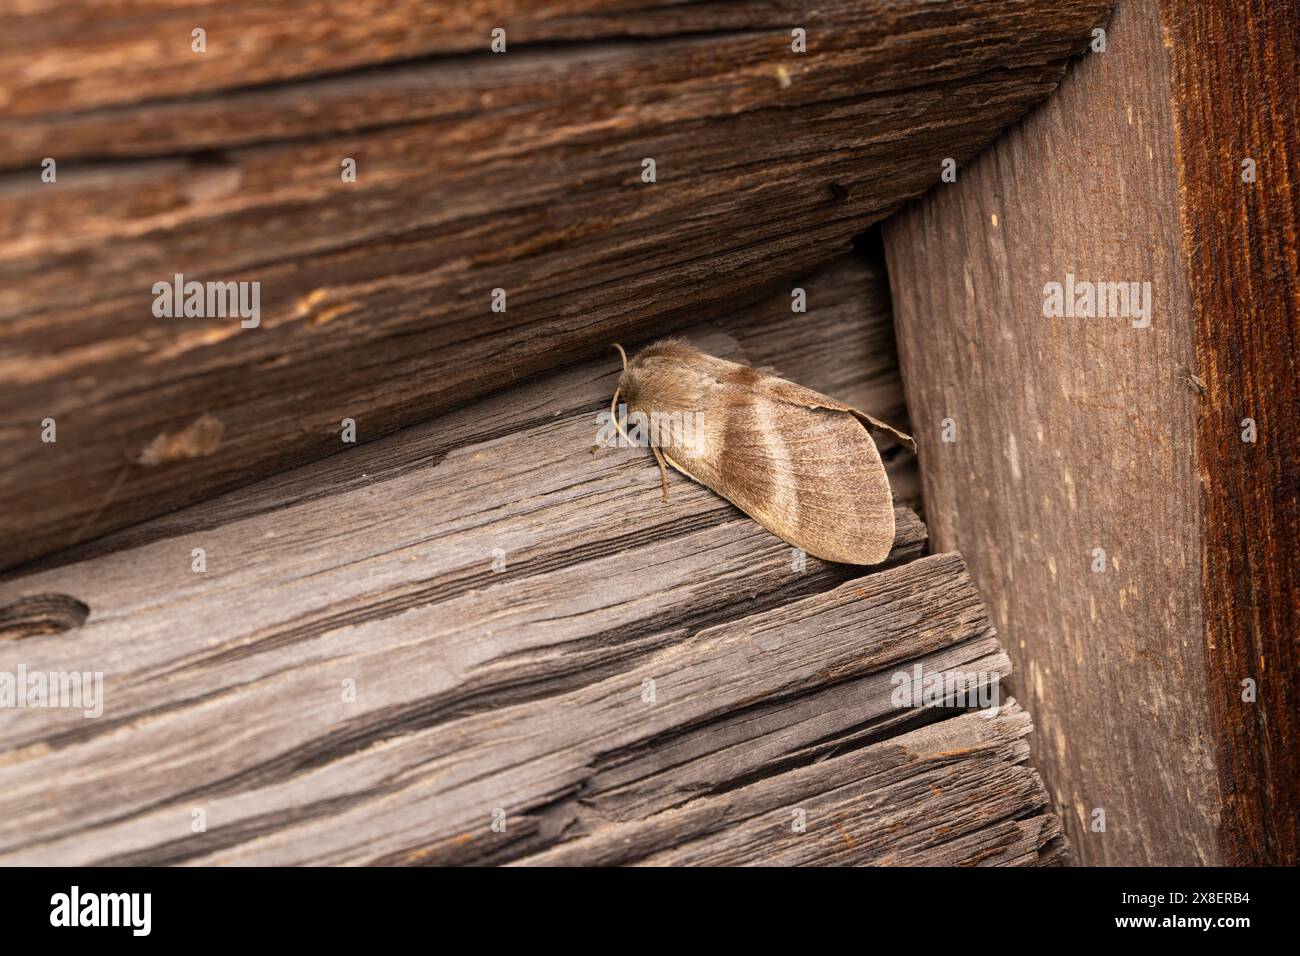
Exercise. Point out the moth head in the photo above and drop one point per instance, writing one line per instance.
(663, 376)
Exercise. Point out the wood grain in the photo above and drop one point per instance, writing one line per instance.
(66, 55)
(417, 784)
(1075, 434)
(1243, 262)
(918, 799)
(842, 346)
(520, 689)
(475, 172)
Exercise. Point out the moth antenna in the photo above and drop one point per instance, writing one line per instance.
(613, 414)
(613, 402)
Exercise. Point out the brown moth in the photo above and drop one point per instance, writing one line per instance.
(799, 463)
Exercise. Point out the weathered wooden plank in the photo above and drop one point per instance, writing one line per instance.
(769, 737)
(59, 56)
(842, 346)
(522, 689)
(375, 295)
(417, 521)
(90, 50)
(381, 566)
(421, 786)
(1076, 434)
(1243, 263)
(955, 793)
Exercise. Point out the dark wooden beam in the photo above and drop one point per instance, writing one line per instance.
(1074, 434)
(1236, 91)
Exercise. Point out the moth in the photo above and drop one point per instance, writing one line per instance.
(801, 464)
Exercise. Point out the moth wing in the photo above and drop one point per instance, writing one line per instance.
(796, 394)
(807, 471)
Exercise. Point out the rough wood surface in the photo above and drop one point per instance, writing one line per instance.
(59, 56)
(842, 346)
(521, 689)
(1074, 434)
(968, 772)
(1243, 245)
(474, 172)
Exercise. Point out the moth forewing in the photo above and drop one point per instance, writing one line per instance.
(800, 463)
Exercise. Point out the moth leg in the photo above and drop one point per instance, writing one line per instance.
(663, 472)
